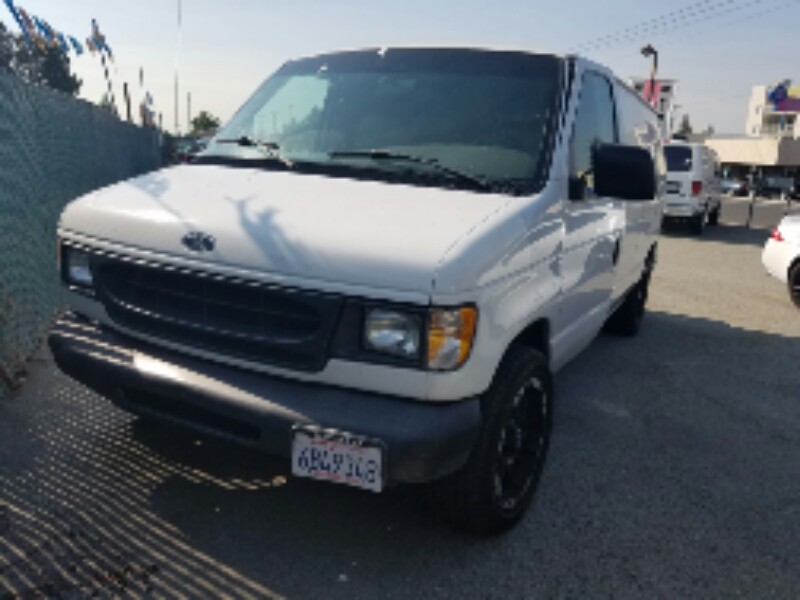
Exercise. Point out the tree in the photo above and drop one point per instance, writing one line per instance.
(56, 74)
(6, 48)
(685, 128)
(50, 67)
(204, 122)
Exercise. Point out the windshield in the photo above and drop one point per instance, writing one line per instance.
(679, 158)
(484, 114)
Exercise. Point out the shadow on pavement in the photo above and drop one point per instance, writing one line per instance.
(725, 233)
(672, 470)
(733, 228)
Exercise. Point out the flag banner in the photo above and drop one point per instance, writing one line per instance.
(784, 97)
(29, 27)
(39, 32)
(62, 42)
(18, 18)
(652, 93)
(45, 31)
(99, 40)
(76, 45)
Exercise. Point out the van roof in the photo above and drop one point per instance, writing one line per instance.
(384, 49)
(584, 62)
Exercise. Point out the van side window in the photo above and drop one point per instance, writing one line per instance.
(595, 124)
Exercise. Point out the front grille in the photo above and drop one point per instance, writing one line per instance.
(239, 319)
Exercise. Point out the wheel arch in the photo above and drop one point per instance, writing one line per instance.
(535, 336)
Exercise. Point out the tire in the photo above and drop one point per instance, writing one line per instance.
(627, 319)
(698, 224)
(713, 216)
(794, 283)
(492, 492)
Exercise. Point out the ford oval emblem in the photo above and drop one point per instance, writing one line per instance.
(197, 241)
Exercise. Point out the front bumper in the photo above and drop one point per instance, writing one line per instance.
(777, 257)
(424, 441)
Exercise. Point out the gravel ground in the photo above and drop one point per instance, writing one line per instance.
(673, 473)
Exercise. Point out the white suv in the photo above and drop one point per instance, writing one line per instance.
(376, 267)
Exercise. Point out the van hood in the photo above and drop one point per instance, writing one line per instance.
(359, 233)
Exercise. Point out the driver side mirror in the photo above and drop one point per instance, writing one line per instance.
(624, 172)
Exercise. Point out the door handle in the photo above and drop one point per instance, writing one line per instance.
(617, 247)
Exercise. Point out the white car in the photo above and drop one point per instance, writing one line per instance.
(375, 269)
(693, 190)
(781, 256)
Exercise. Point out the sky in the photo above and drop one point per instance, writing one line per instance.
(716, 49)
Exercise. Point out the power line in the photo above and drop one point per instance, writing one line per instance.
(637, 28)
(752, 16)
(682, 33)
(704, 11)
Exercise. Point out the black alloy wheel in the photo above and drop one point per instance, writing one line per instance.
(521, 445)
(493, 490)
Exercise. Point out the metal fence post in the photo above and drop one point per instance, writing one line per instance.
(751, 180)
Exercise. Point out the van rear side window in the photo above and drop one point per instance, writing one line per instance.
(679, 158)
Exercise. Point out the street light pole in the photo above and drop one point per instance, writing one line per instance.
(177, 63)
(648, 50)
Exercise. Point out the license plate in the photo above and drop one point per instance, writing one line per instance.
(678, 211)
(337, 457)
(673, 187)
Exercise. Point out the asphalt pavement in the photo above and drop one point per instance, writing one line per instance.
(674, 472)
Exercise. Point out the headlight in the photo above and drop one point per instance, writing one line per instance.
(450, 336)
(76, 268)
(391, 332)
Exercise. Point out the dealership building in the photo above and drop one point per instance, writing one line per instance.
(771, 145)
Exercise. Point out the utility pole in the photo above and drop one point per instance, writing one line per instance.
(141, 98)
(126, 92)
(177, 54)
(188, 111)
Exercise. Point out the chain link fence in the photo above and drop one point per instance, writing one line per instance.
(53, 148)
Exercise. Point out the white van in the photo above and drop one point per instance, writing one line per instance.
(376, 267)
(693, 188)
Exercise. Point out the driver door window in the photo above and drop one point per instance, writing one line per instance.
(595, 124)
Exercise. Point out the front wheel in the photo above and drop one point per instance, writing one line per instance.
(491, 493)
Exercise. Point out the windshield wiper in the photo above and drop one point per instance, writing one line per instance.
(273, 149)
(388, 155)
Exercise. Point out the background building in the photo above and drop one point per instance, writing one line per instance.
(662, 97)
(774, 111)
(771, 146)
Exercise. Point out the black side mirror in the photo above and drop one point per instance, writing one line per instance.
(624, 172)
